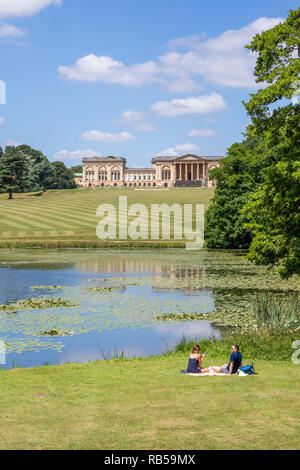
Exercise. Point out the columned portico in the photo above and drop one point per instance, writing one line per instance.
(193, 171)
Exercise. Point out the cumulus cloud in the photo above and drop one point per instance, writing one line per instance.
(92, 68)
(222, 60)
(202, 133)
(17, 8)
(136, 120)
(100, 136)
(204, 104)
(64, 155)
(10, 31)
(179, 149)
(1, 120)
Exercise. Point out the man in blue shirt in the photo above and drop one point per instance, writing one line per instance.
(235, 362)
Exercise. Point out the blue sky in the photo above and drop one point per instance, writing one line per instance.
(128, 78)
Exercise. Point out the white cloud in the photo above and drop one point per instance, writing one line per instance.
(222, 60)
(17, 8)
(182, 85)
(2, 120)
(92, 68)
(202, 133)
(204, 104)
(236, 39)
(136, 120)
(8, 30)
(100, 136)
(179, 149)
(64, 155)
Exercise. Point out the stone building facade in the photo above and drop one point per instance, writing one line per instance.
(188, 170)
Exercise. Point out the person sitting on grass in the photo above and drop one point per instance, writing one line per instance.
(235, 362)
(196, 361)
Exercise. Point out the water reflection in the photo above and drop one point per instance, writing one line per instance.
(105, 322)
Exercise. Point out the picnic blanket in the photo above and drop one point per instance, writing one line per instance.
(203, 374)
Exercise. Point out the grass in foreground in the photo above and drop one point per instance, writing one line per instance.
(147, 404)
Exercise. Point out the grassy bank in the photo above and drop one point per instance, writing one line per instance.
(67, 218)
(147, 404)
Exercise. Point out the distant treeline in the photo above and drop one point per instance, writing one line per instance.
(23, 169)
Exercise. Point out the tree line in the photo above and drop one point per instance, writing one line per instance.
(256, 205)
(23, 169)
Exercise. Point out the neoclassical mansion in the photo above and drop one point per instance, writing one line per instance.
(188, 170)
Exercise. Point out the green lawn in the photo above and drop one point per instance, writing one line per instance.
(147, 404)
(71, 214)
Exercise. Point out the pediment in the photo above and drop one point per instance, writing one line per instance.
(188, 158)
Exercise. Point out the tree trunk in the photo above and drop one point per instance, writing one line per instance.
(10, 195)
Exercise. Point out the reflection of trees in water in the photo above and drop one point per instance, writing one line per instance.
(139, 264)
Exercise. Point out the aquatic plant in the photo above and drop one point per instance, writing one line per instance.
(36, 303)
(55, 332)
(277, 312)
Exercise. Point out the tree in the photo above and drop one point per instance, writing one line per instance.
(274, 208)
(12, 167)
(240, 174)
(41, 176)
(76, 169)
(39, 173)
(64, 178)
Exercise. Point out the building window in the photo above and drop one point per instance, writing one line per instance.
(90, 176)
(166, 175)
(103, 176)
(115, 176)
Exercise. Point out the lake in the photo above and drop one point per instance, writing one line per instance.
(108, 300)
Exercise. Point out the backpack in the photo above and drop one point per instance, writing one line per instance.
(249, 369)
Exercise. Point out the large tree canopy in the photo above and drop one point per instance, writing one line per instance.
(239, 175)
(23, 169)
(274, 208)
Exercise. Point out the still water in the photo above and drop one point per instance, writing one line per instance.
(115, 297)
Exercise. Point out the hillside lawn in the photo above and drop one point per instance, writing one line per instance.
(147, 404)
(70, 215)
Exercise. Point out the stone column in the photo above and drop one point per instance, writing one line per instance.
(173, 173)
(198, 171)
(96, 173)
(109, 173)
(157, 174)
(180, 171)
(185, 172)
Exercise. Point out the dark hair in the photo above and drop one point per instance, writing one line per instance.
(196, 348)
(236, 346)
